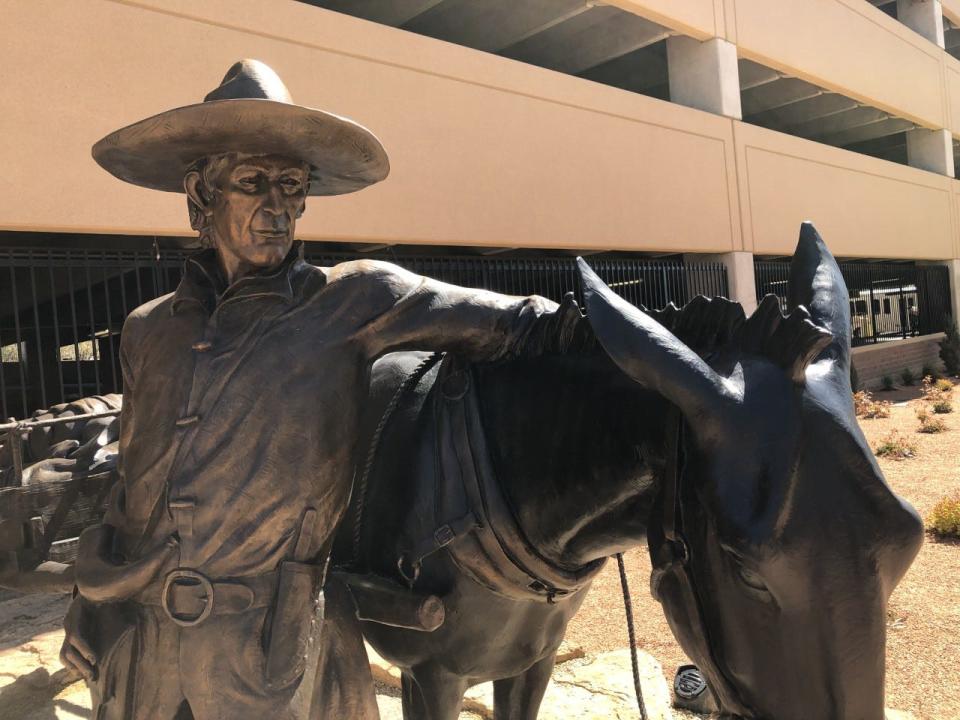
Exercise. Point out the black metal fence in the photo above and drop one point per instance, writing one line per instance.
(62, 310)
(888, 301)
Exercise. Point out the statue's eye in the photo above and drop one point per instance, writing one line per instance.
(291, 184)
(248, 181)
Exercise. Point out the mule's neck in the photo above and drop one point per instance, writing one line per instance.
(576, 446)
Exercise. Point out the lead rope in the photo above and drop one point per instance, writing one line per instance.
(631, 633)
(408, 384)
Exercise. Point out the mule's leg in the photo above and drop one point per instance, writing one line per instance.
(432, 694)
(518, 698)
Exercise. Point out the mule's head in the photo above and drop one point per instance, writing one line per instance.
(794, 541)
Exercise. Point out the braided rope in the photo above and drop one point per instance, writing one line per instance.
(631, 632)
(406, 386)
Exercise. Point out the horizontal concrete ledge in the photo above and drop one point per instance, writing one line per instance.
(866, 349)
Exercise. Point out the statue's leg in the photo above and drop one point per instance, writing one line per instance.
(432, 694)
(519, 697)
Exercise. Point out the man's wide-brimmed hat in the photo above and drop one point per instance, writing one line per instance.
(250, 112)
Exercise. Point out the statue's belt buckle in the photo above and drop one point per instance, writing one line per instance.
(200, 583)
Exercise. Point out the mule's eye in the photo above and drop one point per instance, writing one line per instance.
(748, 577)
(751, 579)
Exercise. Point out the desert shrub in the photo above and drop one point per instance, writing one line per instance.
(886, 383)
(937, 397)
(932, 425)
(928, 422)
(866, 407)
(895, 446)
(950, 348)
(906, 375)
(930, 371)
(944, 519)
(944, 386)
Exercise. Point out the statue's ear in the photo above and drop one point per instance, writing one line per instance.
(198, 204)
(817, 284)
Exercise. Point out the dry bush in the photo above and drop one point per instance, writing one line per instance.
(944, 519)
(866, 407)
(937, 396)
(895, 446)
(930, 424)
(944, 386)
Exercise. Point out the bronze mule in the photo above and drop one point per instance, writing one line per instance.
(775, 540)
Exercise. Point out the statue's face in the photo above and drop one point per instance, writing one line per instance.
(255, 209)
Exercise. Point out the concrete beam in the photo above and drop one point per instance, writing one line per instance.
(740, 276)
(924, 17)
(804, 111)
(754, 74)
(868, 132)
(587, 40)
(638, 71)
(704, 75)
(778, 94)
(852, 118)
(386, 12)
(931, 150)
(493, 25)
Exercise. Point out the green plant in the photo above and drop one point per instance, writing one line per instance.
(944, 386)
(937, 395)
(942, 407)
(944, 519)
(907, 376)
(929, 371)
(866, 407)
(886, 383)
(895, 446)
(950, 348)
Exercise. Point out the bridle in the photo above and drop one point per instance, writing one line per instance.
(676, 563)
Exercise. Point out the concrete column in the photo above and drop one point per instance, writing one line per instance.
(931, 150)
(740, 277)
(704, 75)
(924, 17)
(954, 267)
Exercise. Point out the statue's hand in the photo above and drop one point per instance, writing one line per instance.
(564, 330)
(76, 653)
(101, 579)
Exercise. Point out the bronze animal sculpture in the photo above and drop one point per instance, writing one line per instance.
(729, 444)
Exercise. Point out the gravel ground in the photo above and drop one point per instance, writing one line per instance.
(923, 640)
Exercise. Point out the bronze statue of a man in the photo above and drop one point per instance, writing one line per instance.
(198, 595)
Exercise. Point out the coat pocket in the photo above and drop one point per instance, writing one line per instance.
(292, 623)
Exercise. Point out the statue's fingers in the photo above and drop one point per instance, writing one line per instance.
(80, 644)
(73, 660)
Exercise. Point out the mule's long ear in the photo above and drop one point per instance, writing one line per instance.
(649, 353)
(816, 284)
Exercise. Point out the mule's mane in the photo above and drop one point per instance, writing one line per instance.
(791, 341)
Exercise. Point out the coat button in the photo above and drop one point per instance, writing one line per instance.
(188, 420)
(202, 346)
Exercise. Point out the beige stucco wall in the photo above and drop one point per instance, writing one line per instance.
(862, 206)
(848, 46)
(484, 150)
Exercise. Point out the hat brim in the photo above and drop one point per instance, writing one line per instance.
(155, 153)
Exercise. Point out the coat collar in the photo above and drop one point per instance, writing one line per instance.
(202, 282)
